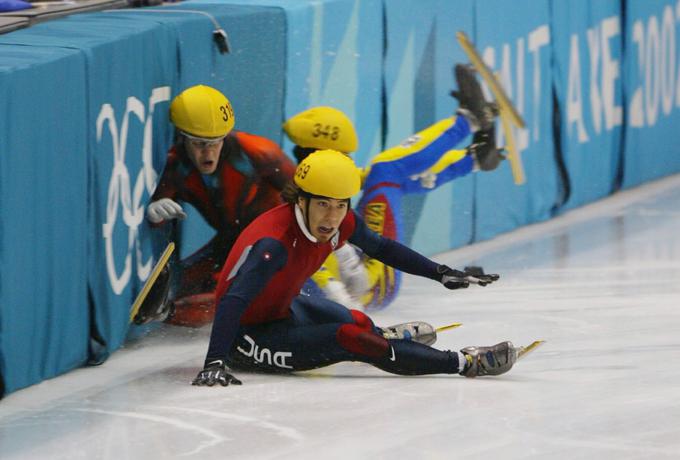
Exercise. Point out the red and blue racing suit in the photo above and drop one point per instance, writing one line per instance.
(250, 175)
(263, 323)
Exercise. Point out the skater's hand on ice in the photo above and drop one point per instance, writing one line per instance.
(164, 209)
(452, 279)
(476, 275)
(456, 279)
(215, 372)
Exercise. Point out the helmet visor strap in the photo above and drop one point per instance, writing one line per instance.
(203, 142)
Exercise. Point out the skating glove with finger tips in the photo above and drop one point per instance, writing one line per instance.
(452, 279)
(164, 209)
(476, 275)
(215, 371)
(456, 279)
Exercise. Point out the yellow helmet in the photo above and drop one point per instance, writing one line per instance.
(330, 174)
(202, 111)
(322, 128)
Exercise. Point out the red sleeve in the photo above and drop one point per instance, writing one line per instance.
(168, 184)
(271, 163)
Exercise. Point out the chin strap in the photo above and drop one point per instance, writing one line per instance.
(303, 225)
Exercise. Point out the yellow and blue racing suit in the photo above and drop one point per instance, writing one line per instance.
(421, 163)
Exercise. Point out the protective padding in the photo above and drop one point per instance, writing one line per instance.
(360, 337)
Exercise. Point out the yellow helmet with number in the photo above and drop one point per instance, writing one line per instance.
(203, 112)
(322, 128)
(330, 174)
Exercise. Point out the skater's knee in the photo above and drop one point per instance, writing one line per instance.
(362, 320)
(361, 341)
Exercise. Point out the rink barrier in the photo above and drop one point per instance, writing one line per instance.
(84, 130)
(418, 75)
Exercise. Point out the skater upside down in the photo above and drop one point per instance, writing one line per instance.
(263, 324)
(420, 164)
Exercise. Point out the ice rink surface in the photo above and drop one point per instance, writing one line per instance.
(600, 284)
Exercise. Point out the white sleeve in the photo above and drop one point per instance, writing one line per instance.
(335, 290)
(352, 271)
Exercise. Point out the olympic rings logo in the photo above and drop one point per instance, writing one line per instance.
(120, 193)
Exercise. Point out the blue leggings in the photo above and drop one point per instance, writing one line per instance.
(320, 332)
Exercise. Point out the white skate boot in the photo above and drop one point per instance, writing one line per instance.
(417, 331)
(495, 360)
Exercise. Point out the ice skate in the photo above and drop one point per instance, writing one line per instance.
(472, 105)
(483, 149)
(156, 306)
(152, 300)
(417, 331)
(508, 113)
(494, 360)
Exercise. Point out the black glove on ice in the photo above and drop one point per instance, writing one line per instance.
(214, 372)
(476, 275)
(456, 279)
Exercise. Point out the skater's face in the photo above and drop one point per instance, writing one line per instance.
(323, 216)
(204, 154)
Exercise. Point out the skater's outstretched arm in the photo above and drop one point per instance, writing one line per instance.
(407, 260)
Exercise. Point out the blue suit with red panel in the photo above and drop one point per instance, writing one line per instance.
(264, 323)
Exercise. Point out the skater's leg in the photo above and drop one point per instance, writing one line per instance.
(306, 341)
(452, 165)
(417, 154)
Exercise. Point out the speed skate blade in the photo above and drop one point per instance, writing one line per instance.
(448, 326)
(162, 262)
(523, 351)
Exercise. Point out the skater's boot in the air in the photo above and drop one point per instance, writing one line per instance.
(494, 360)
(472, 105)
(417, 331)
(483, 150)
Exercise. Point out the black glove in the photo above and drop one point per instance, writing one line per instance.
(214, 372)
(476, 275)
(456, 279)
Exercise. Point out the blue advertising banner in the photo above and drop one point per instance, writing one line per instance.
(251, 75)
(421, 51)
(44, 321)
(335, 59)
(127, 123)
(587, 72)
(334, 52)
(129, 73)
(652, 90)
(514, 40)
